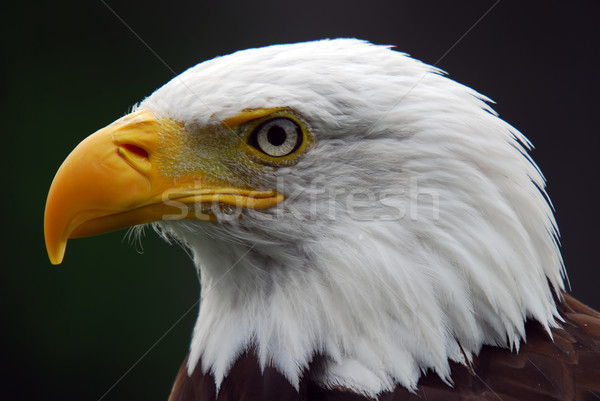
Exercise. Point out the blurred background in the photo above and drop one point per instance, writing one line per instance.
(71, 332)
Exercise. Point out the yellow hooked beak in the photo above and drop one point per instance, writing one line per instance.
(113, 179)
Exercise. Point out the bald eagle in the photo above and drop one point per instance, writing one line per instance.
(364, 228)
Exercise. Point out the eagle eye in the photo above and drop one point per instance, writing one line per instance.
(277, 137)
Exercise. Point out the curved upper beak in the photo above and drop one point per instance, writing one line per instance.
(113, 180)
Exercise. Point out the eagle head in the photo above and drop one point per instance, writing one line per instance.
(339, 199)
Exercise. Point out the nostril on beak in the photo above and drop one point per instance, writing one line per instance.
(135, 151)
(136, 156)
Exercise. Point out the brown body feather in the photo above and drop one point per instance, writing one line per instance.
(567, 368)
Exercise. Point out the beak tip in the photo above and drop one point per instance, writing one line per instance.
(56, 262)
(57, 253)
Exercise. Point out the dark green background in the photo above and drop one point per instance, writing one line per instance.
(68, 69)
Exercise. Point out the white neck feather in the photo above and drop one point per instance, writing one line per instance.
(383, 298)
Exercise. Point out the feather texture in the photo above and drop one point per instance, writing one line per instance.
(566, 368)
(414, 232)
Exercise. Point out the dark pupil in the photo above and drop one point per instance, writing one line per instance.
(276, 135)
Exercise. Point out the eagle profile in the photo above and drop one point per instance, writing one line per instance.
(364, 228)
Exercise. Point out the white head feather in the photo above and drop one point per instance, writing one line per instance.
(415, 230)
